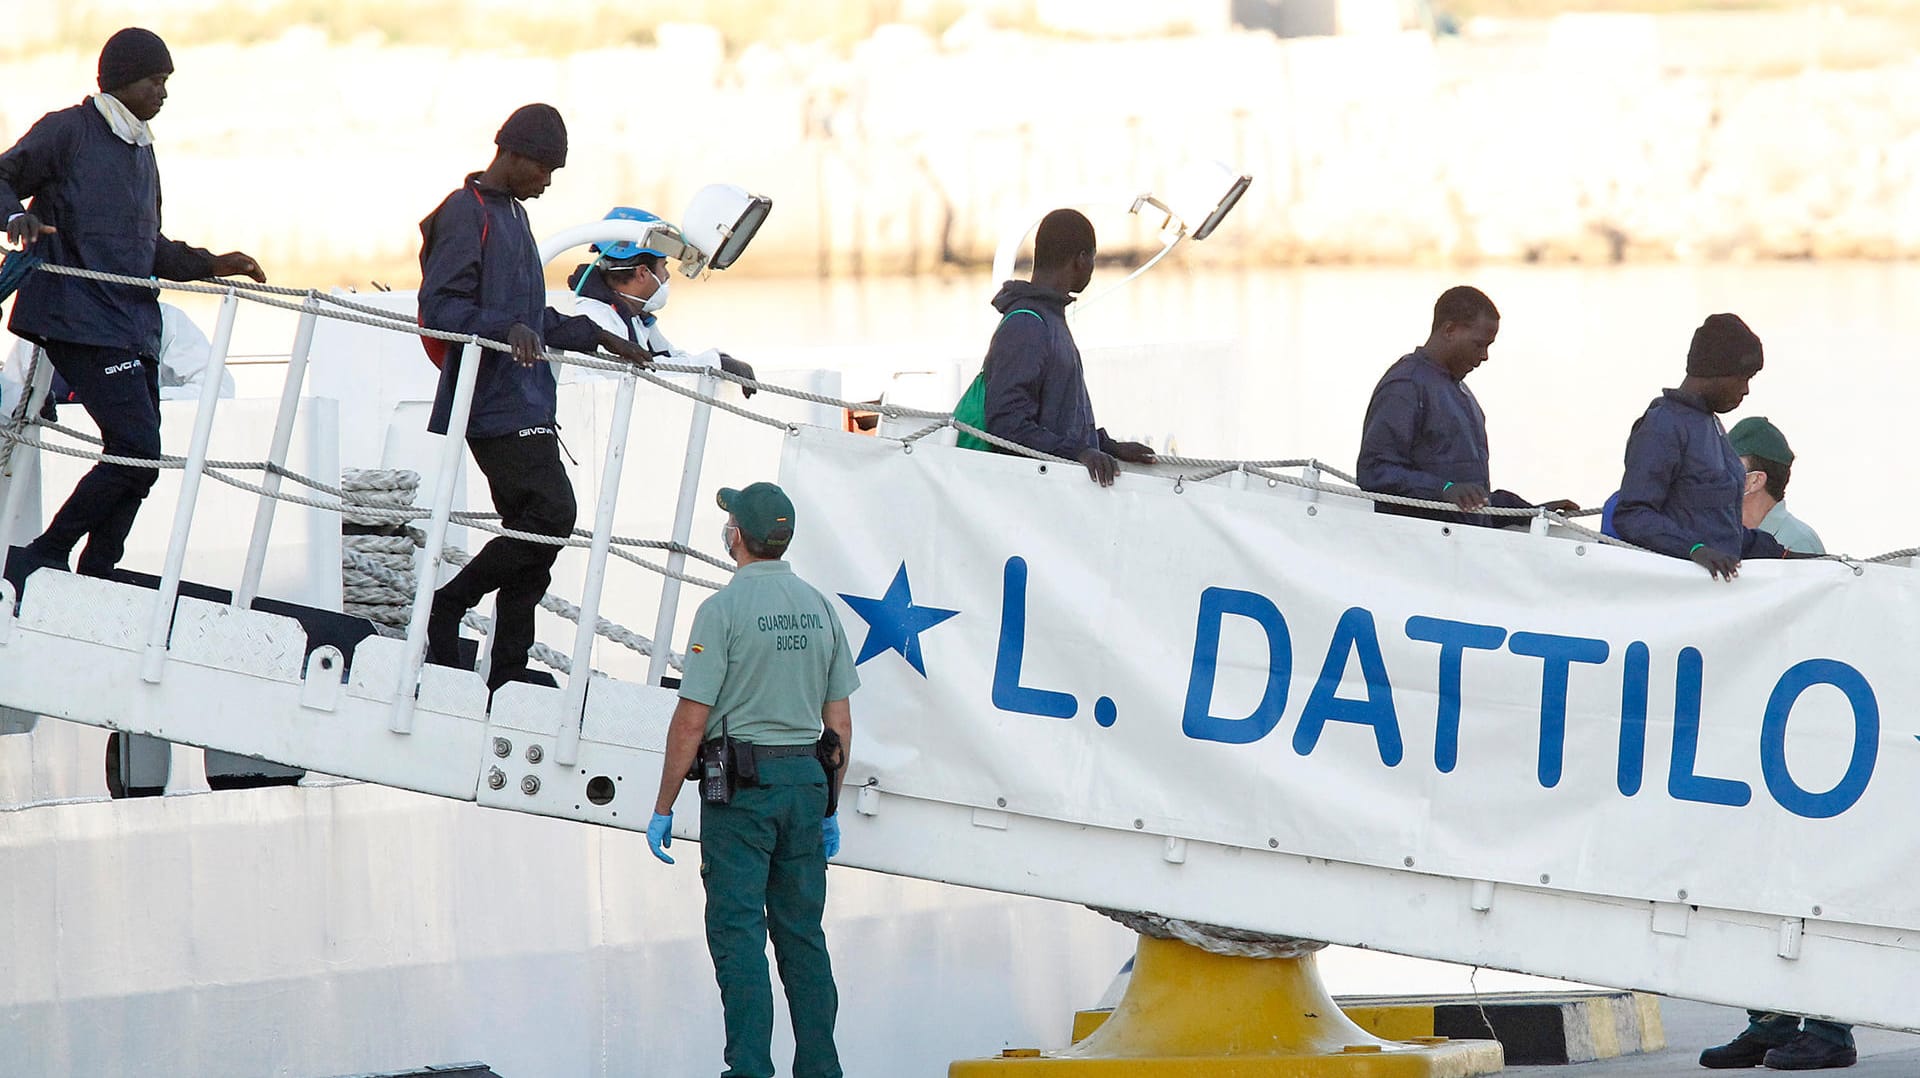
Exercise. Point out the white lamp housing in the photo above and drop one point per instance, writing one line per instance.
(719, 223)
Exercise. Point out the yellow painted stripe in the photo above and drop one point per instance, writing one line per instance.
(1400, 1022)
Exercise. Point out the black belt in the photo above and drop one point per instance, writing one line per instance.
(775, 752)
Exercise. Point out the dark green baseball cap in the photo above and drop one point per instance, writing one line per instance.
(763, 511)
(1755, 436)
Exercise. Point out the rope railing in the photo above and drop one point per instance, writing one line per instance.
(1205, 468)
(402, 584)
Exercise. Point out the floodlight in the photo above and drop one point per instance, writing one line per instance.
(719, 223)
(1205, 192)
(1199, 197)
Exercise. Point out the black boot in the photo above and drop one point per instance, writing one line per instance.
(1811, 1052)
(443, 632)
(1743, 1051)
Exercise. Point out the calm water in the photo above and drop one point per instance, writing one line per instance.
(1285, 360)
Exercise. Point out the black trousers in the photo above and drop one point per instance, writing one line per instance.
(532, 493)
(120, 389)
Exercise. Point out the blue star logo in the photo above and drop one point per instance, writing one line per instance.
(894, 623)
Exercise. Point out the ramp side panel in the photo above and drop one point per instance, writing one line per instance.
(1851, 973)
(231, 709)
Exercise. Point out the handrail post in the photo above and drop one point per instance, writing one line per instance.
(1311, 473)
(277, 456)
(24, 461)
(573, 713)
(427, 562)
(483, 656)
(682, 529)
(161, 622)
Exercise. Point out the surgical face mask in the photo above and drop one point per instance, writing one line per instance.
(726, 537)
(659, 297)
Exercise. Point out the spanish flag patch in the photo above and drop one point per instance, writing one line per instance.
(695, 648)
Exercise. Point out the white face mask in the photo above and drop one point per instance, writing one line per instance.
(659, 297)
(726, 537)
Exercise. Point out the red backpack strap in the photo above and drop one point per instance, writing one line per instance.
(485, 218)
(437, 349)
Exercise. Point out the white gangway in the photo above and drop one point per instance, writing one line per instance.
(1544, 832)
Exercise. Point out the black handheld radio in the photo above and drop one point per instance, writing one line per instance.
(716, 785)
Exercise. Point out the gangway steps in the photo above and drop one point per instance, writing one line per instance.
(322, 627)
(312, 688)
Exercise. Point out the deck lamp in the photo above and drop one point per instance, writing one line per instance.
(1204, 191)
(715, 229)
(719, 223)
(1199, 197)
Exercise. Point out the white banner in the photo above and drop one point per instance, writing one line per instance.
(1252, 668)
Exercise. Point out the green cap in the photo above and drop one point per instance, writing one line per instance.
(1754, 436)
(763, 511)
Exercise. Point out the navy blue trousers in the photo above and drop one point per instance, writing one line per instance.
(120, 389)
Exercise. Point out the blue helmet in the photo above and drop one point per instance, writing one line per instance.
(622, 252)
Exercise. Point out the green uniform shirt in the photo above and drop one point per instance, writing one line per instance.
(1792, 534)
(767, 652)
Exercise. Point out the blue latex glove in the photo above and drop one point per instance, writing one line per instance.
(830, 832)
(660, 835)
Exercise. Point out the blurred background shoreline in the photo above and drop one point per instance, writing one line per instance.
(901, 138)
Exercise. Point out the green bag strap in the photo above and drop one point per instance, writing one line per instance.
(975, 396)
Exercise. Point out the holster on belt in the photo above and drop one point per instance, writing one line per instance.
(833, 757)
(722, 766)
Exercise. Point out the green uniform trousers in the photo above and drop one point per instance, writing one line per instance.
(765, 870)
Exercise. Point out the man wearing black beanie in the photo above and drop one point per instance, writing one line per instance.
(480, 274)
(1682, 490)
(89, 174)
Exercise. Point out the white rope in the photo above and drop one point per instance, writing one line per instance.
(379, 583)
(377, 514)
(19, 417)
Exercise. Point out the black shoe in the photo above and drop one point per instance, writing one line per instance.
(1809, 1052)
(443, 635)
(1742, 1051)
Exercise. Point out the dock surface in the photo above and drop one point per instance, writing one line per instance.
(1692, 1027)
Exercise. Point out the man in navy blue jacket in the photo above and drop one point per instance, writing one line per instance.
(480, 273)
(1424, 435)
(1036, 386)
(1682, 491)
(94, 188)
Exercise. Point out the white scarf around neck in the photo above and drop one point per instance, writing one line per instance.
(132, 130)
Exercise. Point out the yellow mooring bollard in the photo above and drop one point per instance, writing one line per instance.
(1188, 1013)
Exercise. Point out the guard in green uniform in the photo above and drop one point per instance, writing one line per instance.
(767, 667)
